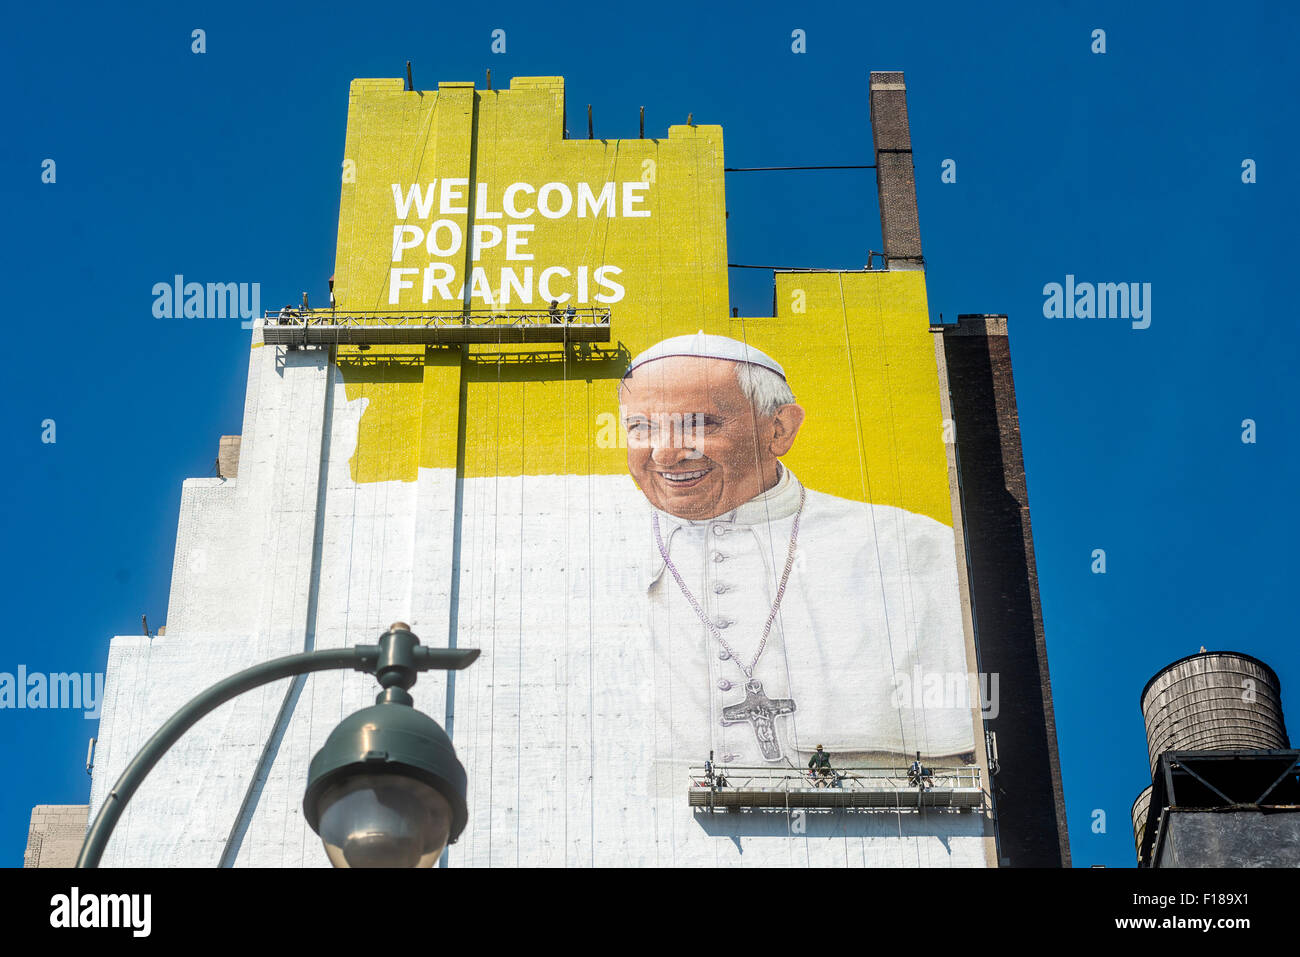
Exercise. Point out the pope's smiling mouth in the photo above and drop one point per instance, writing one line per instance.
(684, 479)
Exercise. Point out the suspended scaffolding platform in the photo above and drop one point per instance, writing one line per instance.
(302, 327)
(737, 788)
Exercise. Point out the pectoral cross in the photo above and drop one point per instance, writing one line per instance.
(761, 712)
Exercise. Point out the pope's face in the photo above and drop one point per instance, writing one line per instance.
(695, 446)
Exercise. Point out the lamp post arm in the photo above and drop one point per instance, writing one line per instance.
(443, 659)
(360, 658)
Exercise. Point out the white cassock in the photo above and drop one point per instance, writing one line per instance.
(871, 598)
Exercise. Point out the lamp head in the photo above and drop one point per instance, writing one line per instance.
(386, 790)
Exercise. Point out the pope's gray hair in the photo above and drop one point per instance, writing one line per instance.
(766, 390)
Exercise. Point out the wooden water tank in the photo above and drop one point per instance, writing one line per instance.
(1213, 701)
(1141, 808)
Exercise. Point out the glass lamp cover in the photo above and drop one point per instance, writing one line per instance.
(384, 820)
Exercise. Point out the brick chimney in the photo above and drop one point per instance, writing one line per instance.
(895, 178)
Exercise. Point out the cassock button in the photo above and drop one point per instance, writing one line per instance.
(724, 654)
(719, 530)
(720, 588)
(718, 557)
(724, 623)
(724, 684)
(729, 756)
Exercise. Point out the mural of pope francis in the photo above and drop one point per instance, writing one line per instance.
(785, 618)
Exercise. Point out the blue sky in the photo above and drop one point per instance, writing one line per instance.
(1122, 167)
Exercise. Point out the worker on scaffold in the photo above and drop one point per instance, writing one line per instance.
(919, 776)
(819, 766)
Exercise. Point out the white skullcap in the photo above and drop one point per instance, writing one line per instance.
(707, 347)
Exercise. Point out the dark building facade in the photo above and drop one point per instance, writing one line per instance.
(1026, 784)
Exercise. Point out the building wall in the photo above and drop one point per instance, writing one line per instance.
(55, 836)
(482, 494)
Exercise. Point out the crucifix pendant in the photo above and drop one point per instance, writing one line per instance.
(761, 712)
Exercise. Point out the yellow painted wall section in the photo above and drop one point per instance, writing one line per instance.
(668, 258)
(856, 346)
(859, 356)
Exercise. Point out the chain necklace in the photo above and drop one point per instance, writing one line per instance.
(776, 605)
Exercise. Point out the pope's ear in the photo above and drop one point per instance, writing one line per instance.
(785, 426)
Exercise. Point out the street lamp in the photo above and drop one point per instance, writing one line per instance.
(386, 790)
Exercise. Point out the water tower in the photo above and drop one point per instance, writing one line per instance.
(1225, 784)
